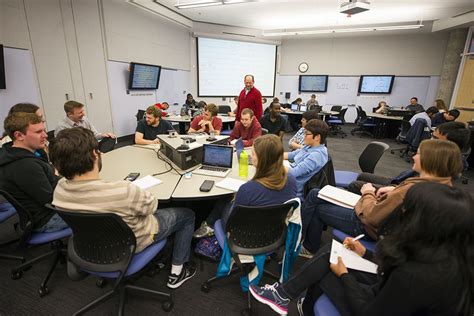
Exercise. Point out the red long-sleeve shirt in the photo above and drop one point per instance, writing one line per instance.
(248, 135)
(253, 101)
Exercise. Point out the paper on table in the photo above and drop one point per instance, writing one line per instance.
(147, 182)
(351, 259)
(338, 196)
(230, 184)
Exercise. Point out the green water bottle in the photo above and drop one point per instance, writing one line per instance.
(243, 164)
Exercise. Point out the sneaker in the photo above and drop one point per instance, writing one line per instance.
(271, 295)
(203, 231)
(305, 253)
(299, 305)
(175, 281)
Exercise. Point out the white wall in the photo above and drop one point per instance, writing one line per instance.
(401, 55)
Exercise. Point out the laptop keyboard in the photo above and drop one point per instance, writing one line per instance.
(211, 168)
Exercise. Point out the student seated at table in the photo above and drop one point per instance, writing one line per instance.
(453, 131)
(207, 122)
(309, 159)
(297, 141)
(273, 121)
(312, 103)
(21, 108)
(248, 129)
(423, 268)
(270, 185)
(436, 161)
(75, 154)
(190, 102)
(163, 106)
(149, 127)
(415, 106)
(426, 115)
(444, 117)
(381, 108)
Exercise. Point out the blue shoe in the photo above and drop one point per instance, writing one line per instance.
(272, 296)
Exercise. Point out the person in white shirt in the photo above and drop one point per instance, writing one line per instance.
(426, 115)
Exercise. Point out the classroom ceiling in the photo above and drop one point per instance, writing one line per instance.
(268, 15)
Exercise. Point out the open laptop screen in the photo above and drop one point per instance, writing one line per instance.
(217, 155)
(294, 107)
(303, 108)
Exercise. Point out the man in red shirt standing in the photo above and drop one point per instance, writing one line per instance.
(250, 98)
(248, 128)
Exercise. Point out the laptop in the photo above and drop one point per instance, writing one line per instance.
(217, 161)
(303, 108)
(294, 107)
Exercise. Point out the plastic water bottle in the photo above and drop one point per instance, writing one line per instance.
(243, 165)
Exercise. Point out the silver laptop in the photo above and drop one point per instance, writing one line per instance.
(217, 161)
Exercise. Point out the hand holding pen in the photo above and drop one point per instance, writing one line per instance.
(355, 245)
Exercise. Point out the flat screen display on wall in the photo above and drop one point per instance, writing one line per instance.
(313, 83)
(3, 84)
(376, 84)
(144, 77)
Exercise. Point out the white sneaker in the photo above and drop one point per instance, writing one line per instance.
(203, 231)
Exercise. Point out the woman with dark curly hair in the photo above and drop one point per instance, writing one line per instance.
(425, 265)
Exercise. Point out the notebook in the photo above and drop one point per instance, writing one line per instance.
(217, 160)
(338, 196)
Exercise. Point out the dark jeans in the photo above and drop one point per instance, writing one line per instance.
(312, 273)
(363, 178)
(54, 224)
(177, 220)
(315, 213)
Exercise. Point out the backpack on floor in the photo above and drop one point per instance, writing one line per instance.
(209, 247)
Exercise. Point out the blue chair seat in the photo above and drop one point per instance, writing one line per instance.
(219, 233)
(226, 132)
(344, 178)
(334, 121)
(43, 238)
(324, 307)
(139, 260)
(6, 211)
(370, 245)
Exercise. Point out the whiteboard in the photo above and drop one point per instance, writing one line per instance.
(342, 90)
(173, 87)
(20, 80)
(222, 65)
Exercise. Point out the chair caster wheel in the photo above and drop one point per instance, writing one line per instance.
(43, 291)
(167, 306)
(100, 283)
(206, 287)
(17, 275)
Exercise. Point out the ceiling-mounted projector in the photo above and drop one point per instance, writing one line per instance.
(354, 7)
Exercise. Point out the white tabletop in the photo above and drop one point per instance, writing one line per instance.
(118, 163)
(187, 119)
(385, 117)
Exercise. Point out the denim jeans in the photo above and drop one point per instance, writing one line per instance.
(315, 213)
(54, 224)
(177, 220)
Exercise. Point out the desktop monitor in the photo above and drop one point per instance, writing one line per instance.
(144, 77)
(313, 83)
(376, 84)
(294, 107)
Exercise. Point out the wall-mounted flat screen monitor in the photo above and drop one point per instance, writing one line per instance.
(376, 84)
(313, 83)
(3, 84)
(144, 77)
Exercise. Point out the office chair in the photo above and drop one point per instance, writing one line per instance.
(324, 307)
(224, 109)
(368, 159)
(107, 144)
(364, 124)
(404, 128)
(140, 115)
(418, 132)
(104, 246)
(252, 230)
(7, 211)
(336, 108)
(323, 177)
(50, 135)
(335, 123)
(29, 238)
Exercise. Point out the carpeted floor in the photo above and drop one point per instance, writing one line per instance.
(20, 297)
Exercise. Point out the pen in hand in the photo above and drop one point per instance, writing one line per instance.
(355, 239)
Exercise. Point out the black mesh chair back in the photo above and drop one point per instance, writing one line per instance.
(358, 118)
(336, 108)
(371, 156)
(50, 135)
(253, 230)
(26, 219)
(140, 114)
(224, 109)
(323, 177)
(107, 144)
(100, 242)
(342, 115)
